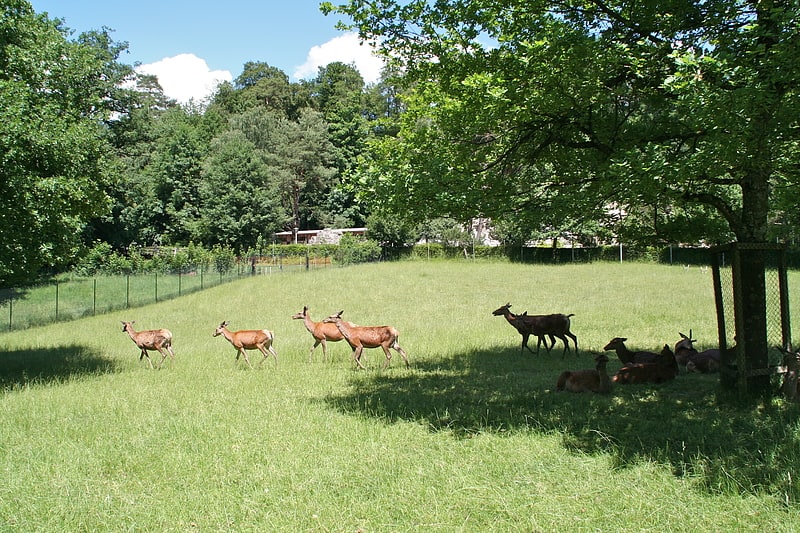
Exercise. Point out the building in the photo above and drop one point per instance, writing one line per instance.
(316, 236)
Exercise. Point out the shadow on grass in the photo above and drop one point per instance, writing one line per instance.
(21, 368)
(727, 447)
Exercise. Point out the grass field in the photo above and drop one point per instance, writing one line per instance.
(471, 438)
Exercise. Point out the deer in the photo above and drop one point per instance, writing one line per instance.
(151, 339)
(556, 324)
(589, 380)
(360, 337)
(523, 328)
(321, 331)
(686, 355)
(627, 356)
(248, 339)
(665, 368)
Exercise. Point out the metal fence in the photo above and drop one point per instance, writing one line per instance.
(79, 297)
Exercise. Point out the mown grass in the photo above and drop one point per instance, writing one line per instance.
(471, 438)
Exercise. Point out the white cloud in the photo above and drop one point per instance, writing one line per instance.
(185, 77)
(347, 49)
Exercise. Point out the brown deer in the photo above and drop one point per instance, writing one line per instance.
(248, 339)
(665, 368)
(686, 355)
(556, 324)
(627, 356)
(589, 380)
(523, 328)
(151, 339)
(321, 331)
(360, 337)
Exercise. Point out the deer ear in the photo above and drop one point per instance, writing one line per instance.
(339, 314)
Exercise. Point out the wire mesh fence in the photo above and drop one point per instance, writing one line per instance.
(79, 297)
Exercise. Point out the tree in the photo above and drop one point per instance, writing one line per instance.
(56, 98)
(239, 201)
(300, 156)
(589, 103)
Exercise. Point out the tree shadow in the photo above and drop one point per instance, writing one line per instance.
(21, 368)
(726, 446)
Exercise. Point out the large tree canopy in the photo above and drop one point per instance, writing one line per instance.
(541, 108)
(571, 106)
(55, 96)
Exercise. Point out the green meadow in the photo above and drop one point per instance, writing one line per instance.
(473, 437)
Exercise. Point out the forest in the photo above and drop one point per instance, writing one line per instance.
(640, 148)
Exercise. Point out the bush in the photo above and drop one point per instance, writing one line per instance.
(354, 249)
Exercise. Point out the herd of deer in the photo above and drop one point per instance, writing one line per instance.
(638, 367)
(331, 329)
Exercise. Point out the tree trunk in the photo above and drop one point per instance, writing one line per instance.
(753, 230)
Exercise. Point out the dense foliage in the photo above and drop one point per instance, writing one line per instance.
(561, 121)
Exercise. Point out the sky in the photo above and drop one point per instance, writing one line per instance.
(192, 45)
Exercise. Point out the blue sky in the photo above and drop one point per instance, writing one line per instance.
(191, 44)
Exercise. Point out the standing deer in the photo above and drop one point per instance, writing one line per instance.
(321, 331)
(360, 337)
(151, 339)
(555, 325)
(248, 339)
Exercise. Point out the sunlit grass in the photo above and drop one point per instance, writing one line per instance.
(471, 438)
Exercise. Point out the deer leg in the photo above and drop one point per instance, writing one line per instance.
(324, 349)
(357, 356)
(163, 356)
(145, 354)
(402, 353)
(388, 356)
(246, 359)
(525, 343)
(574, 339)
(311, 353)
(566, 344)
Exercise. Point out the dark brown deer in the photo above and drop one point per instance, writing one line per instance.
(248, 339)
(360, 337)
(553, 325)
(589, 380)
(523, 328)
(686, 355)
(627, 356)
(321, 331)
(665, 368)
(151, 339)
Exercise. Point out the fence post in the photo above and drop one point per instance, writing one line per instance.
(127, 291)
(94, 296)
(156, 286)
(10, 311)
(56, 301)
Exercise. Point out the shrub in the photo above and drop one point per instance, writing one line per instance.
(354, 249)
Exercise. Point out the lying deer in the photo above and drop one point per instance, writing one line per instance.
(321, 331)
(151, 339)
(686, 355)
(627, 356)
(523, 328)
(589, 380)
(665, 368)
(248, 339)
(360, 337)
